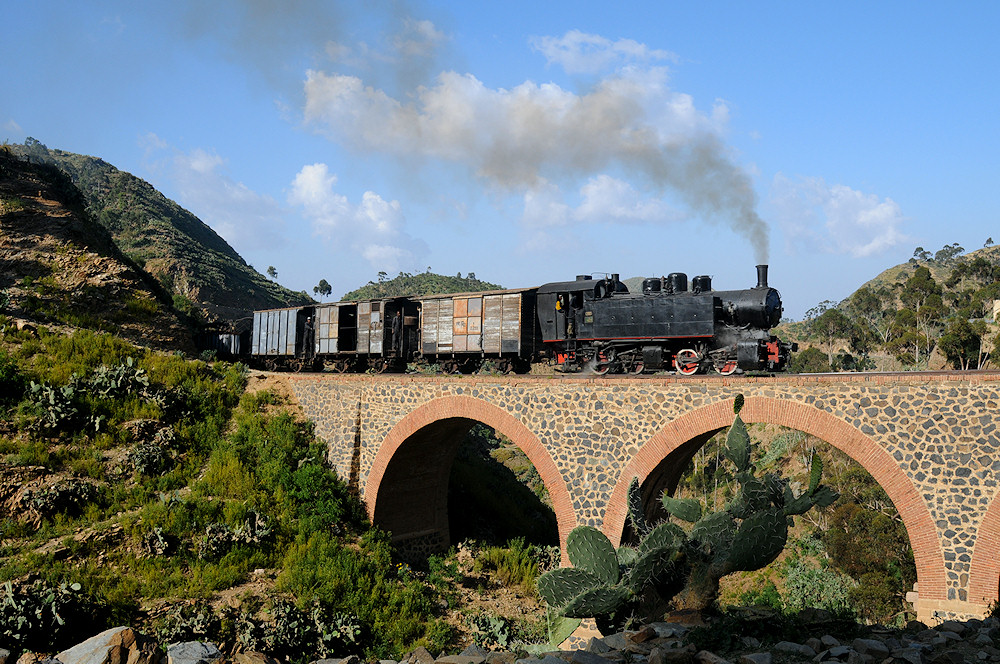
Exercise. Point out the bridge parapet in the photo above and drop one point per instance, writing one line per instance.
(930, 440)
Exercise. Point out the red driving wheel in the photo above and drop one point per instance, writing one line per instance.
(686, 361)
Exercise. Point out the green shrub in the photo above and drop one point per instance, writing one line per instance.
(818, 587)
(363, 582)
(12, 381)
(511, 566)
(44, 617)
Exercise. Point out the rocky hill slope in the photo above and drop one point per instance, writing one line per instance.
(190, 259)
(58, 266)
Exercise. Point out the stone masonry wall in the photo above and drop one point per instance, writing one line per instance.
(930, 440)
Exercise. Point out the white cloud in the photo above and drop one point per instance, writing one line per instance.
(581, 53)
(373, 228)
(836, 218)
(610, 200)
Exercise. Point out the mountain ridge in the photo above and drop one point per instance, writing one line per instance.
(188, 258)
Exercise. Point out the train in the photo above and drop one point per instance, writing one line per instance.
(592, 325)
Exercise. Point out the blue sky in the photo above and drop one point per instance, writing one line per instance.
(529, 142)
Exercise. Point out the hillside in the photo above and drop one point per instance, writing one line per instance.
(935, 311)
(190, 259)
(426, 283)
(58, 266)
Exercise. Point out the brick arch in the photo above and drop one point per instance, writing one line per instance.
(451, 409)
(917, 519)
(984, 570)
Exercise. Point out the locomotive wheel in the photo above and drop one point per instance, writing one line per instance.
(726, 367)
(638, 368)
(686, 361)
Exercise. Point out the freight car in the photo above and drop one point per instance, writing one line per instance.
(589, 325)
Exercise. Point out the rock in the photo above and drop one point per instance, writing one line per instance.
(501, 658)
(645, 634)
(794, 649)
(586, 657)
(757, 658)
(4, 655)
(952, 626)
(828, 641)
(872, 647)
(683, 655)
(419, 656)
(192, 652)
(118, 645)
(252, 658)
(475, 651)
(907, 656)
(460, 659)
(665, 630)
(598, 646)
(548, 659)
(815, 644)
(836, 652)
(947, 657)
(622, 642)
(706, 657)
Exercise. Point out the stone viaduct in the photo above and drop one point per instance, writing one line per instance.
(930, 440)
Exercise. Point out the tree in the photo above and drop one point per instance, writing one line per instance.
(921, 296)
(948, 253)
(820, 309)
(271, 272)
(810, 360)
(989, 242)
(323, 288)
(962, 344)
(831, 325)
(920, 254)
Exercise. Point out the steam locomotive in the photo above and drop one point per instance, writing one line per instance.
(591, 325)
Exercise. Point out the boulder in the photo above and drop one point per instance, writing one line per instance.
(757, 658)
(192, 652)
(118, 645)
(253, 658)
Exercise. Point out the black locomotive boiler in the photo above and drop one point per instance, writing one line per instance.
(598, 325)
(586, 325)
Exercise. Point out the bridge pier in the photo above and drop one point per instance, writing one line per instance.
(929, 440)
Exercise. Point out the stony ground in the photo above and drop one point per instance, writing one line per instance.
(951, 642)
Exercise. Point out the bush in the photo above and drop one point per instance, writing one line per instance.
(44, 617)
(512, 566)
(398, 615)
(817, 587)
(295, 634)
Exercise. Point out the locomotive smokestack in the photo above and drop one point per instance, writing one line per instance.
(761, 276)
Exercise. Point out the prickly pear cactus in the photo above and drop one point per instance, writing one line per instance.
(611, 585)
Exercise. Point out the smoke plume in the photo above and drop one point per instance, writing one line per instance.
(629, 124)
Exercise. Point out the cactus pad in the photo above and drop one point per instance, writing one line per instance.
(688, 509)
(557, 587)
(635, 511)
(759, 540)
(815, 473)
(738, 445)
(589, 549)
(596, 602)
(714, 533)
